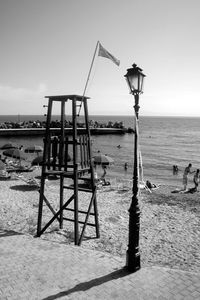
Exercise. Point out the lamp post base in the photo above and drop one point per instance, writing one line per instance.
(132, 261)
(133, 251)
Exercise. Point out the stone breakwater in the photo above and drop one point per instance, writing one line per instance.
(41, 131)
(37, 128)
(57, 124)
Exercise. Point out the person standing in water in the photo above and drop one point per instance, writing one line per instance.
(196, 180)
(187, 171)
(125, 166)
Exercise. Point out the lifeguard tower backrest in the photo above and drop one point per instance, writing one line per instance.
(61, 154)
(61, 146)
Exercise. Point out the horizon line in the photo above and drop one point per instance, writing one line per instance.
(113, 115)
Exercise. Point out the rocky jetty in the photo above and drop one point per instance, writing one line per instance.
(38, 127)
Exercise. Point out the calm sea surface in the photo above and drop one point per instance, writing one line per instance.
(164, 142)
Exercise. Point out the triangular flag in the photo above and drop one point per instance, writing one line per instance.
(104, 53)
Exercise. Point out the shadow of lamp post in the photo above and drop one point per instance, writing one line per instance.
(134, 78)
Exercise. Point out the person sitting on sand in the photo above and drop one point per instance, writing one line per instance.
(185, 176)
(150, 185)
(196, 179)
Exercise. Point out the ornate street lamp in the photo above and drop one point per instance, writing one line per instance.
(135, 79)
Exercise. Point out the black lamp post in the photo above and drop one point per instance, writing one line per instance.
(135, 79)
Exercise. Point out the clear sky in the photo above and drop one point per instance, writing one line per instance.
(47, 48)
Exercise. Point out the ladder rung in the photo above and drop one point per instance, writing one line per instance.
(81, 222)
(53, 172)
(84, 178)
(66, 173)
(80, 211)
(57, 165)
(80, 189)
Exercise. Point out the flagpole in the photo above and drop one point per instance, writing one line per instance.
(88, 77)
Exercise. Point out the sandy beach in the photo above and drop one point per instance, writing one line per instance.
(169, 223)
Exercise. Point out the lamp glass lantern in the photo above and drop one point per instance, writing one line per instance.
(135, 79)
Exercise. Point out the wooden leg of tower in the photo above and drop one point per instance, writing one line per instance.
(61, 201)
(96, 217)
(87, 217)
(75, 166)
(76, 227)
(92, 170)
(39, 224)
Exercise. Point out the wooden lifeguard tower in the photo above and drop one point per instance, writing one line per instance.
(68, 157)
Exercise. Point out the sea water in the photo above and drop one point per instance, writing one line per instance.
(164, 142)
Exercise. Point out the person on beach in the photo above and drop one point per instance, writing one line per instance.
(196, 180)
(187, 171)
(95, 177)
(102, 179)
(104, 172)
(150, 185)
(125, 166)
